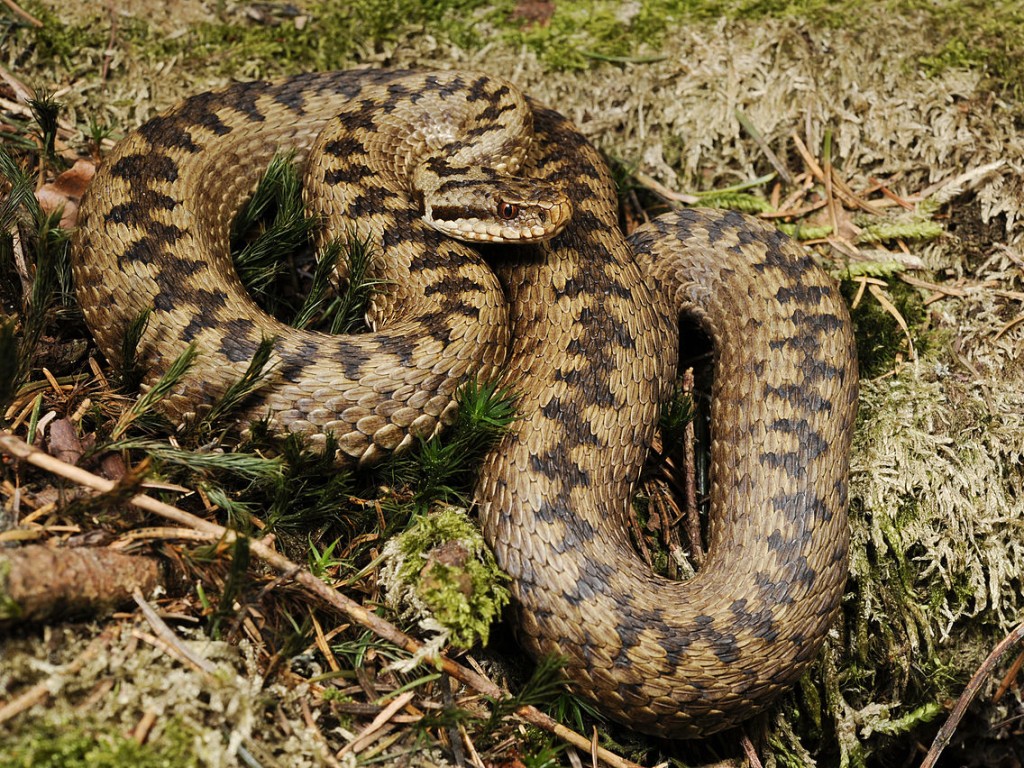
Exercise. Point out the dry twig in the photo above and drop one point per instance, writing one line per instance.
(58, 581)
(370, 733)
(313, 586)
(945, 733)
(750, 752)
(19, 11)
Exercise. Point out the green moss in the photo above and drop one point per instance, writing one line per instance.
(57, 41)
(578, 33)
(880, 339)
(985, 35)
(333, 35)
(443, 561)
(85, 746)
(976, 34)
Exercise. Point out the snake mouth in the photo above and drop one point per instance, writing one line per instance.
(531, 222)
(477, 206)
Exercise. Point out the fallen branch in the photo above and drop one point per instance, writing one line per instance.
(312, 585)
(39, 582)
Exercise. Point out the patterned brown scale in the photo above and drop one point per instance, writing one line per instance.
(154, 230)
(592, 344)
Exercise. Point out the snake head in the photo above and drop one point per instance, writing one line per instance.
(497, 210)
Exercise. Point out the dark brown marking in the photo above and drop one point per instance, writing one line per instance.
(238, 344)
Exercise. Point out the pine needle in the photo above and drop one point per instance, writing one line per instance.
(249, 466)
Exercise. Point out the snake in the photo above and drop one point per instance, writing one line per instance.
(505, 261)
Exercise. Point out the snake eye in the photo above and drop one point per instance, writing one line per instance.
(507, 210)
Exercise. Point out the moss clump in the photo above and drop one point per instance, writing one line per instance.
(83, 746)
(580, 32)
(571, 34)
(443, 571)
(326, 35)
(982, 35)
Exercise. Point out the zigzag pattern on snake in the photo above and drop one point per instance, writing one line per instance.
(583, 323)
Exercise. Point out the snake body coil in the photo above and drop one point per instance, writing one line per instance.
(588, 337)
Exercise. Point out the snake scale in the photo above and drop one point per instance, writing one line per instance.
(581, 321)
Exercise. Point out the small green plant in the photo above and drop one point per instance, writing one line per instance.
(353, 650)
(345, 313)
(236, 394)
(444, 468)
(908, 228)
(247, 466)
(676, 414)
(321, 561)
(272, 234)
(800, 231)
(270, 228)
(45, 112)
(97, 132)
(49, 292)
(234, 589)
(546, 690)
(131, 372)
(239, 513)
(157, 392)
(736, 197)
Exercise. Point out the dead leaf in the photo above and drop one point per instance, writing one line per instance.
(112, 467)
(64, 442)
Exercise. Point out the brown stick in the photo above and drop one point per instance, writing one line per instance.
(750, 752)
(311, 584)
(949, 727)
(690, 482)
(23, 13)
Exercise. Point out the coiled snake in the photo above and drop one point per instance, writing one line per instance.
(582, 322)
